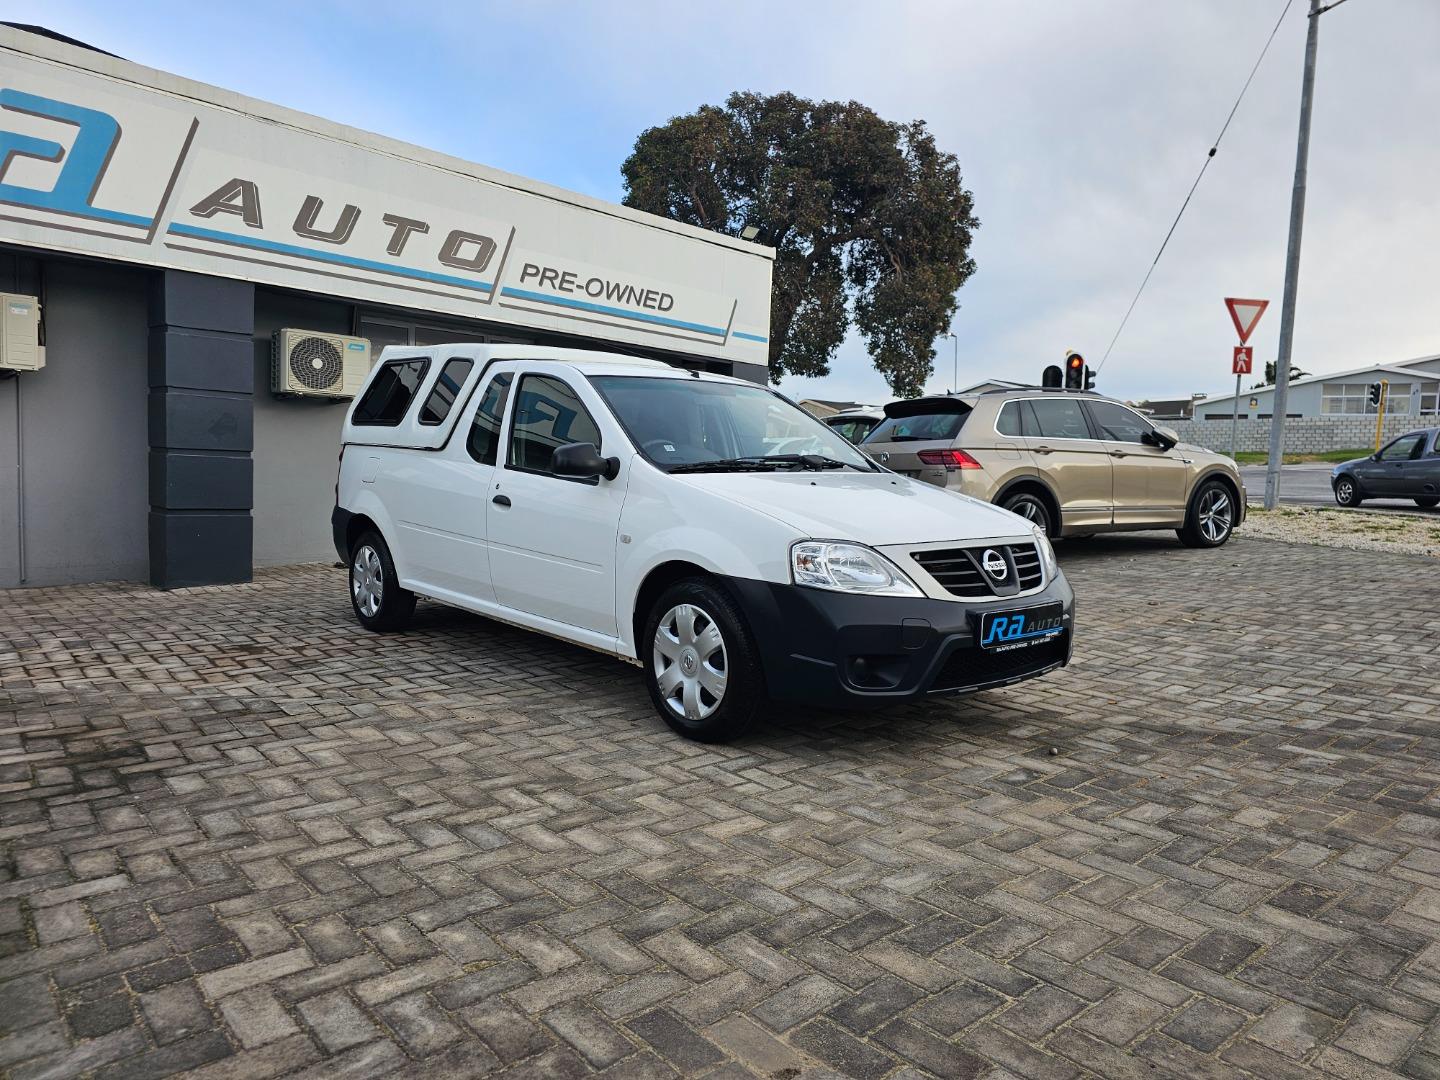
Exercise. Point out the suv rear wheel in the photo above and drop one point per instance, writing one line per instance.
(1032, 508)
(375, 593)
(1427, 502)
(701, 665)
(1211, 517)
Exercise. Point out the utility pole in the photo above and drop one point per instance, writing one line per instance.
(955, 379)
(1292, 260)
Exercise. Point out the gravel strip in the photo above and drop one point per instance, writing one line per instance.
(1354, 529)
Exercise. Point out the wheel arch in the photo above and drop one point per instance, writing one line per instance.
(1230, 485)
(656, 581)
(1037, 486)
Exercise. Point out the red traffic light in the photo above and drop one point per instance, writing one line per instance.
(1076, 361)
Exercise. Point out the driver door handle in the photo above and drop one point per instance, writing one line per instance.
(1117, 453)
(501, 500)
(1043, 450)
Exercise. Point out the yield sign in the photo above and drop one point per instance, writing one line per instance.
(1245, 314)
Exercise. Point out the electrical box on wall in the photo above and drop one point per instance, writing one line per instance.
(20, 348)
(312, 364)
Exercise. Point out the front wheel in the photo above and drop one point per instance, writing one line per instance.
(701, 665)
(1347, 491)
(1032, 508)
(1427, 502)
(375, 593)
(1211, 517)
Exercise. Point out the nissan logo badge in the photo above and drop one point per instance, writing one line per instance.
(994, 564)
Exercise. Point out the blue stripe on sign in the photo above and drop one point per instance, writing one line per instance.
(585, 305)
(326, 256)
(750, 337)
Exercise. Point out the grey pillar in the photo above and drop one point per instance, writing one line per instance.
(201, 429)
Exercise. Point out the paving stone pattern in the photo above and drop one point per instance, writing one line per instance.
(242, 838)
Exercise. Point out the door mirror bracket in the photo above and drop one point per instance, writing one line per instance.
(1163, 437)
(582, 461)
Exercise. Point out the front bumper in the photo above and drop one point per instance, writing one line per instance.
(842, 650)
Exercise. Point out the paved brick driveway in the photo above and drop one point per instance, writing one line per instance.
(242, 837)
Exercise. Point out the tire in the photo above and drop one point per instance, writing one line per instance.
(1032, 508)
(1211, 517)
(1427, 502)
(695, 626)
(1347, 491)
(379, 602)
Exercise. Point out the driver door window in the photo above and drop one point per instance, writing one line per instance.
(548, 415)
(1404, 448)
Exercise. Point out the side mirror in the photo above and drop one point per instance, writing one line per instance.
(582, 461)
(1165, 437)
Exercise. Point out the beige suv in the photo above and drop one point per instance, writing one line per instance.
(1075, 463)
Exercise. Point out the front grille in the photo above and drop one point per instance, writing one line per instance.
(968, 668)
(961, 571)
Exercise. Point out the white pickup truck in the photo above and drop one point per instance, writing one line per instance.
(646, 511)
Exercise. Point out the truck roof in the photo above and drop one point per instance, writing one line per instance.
(586, 361)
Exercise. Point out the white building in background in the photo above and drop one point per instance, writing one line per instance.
(1413, 390)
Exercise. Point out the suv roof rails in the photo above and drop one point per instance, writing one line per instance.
(1045, 389)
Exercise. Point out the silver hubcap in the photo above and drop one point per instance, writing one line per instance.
(1346, 490)
(690, 663)
(1214, 515)
(367, 581)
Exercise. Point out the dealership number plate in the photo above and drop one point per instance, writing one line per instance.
(1020, 629)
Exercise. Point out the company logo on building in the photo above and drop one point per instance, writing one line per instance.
(153, 181)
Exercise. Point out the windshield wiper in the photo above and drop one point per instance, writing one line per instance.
(736, 464)
(766, 463)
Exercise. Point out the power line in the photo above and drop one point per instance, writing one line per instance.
(1208, 158)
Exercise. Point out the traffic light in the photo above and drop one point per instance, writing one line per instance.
(1089, 378)
(1375, 394)
(1074, 371)
(1052, 378)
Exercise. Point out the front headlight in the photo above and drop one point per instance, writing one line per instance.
(847, 568)
(1047, 552)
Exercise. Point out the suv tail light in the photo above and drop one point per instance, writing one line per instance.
(951, 459)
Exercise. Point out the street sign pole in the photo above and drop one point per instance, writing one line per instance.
(1292, 263)
(1235, 421)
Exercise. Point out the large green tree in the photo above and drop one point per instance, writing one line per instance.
(870, 221)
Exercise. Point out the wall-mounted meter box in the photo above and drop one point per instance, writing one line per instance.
(20, 348)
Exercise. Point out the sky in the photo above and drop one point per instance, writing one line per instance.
(1079, 126)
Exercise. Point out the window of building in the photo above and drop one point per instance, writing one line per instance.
(388, 398)
(386, 329)
(1117, 423)
(441, 398)
(548, 415)
(485, 431)
(1338, 399)
(1430, 399)
(1397, 398)
(1059, 418)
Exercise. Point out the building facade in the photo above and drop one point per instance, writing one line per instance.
(168, 229)
(1412, 389)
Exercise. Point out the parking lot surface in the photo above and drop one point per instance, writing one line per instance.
(243, 838)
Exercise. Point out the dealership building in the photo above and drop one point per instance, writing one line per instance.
(192, 282)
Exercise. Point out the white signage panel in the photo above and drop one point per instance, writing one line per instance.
(105, 158)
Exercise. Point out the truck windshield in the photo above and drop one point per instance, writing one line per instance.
(696, 425)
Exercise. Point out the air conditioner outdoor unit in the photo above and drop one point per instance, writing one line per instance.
(315, 364)
(20, 348)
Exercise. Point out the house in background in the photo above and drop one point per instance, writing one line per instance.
(1414, 390)
(821, 408)
(1169, 408)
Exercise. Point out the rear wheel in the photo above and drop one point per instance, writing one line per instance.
(1032, 508)
(1427, 502)
(1211, 517)
(1347, 492)
(702, 667)
(375, 593)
